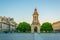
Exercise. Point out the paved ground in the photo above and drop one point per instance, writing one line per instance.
(29, 36)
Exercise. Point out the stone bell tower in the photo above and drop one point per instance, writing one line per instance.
(35, 22)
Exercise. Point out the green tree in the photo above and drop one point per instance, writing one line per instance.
(24, 27)
(47, 27)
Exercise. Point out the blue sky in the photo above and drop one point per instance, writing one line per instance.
(22, 10)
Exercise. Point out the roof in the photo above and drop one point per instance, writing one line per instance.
(56, 22)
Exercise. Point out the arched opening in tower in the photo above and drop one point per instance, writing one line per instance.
(35, 29)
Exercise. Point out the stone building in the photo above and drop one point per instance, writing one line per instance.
(56, 26)
(7, 24)
(35, 23)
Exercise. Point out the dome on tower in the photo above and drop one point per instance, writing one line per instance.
(35, 9)
(35, 12)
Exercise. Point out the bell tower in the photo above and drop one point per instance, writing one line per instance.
(35, 22)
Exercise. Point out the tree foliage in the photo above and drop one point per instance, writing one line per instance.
(47, 27)
(24, 27)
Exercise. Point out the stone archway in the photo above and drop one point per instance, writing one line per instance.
(35, 29)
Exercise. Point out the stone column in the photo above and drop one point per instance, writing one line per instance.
(32, 29)
(38, 30)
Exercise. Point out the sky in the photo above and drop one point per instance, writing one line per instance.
(22, 10)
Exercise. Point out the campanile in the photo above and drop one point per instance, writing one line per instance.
(35, 26)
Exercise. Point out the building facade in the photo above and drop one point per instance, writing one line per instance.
(56, 26)
(35, 23)
(7, 24)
